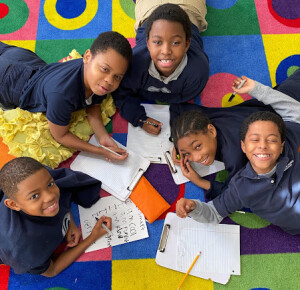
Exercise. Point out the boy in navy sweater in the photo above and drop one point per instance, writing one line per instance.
(269, 183)
(58, 89)
(169, 64)
(36, 217)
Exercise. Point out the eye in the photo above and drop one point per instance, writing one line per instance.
(157, 42)
(175, 42)
(104, 69)
(34, 196)
(272, 141)
(186, 154)
(197, 147)
(254, 140)
(118, 78)
(51, 183)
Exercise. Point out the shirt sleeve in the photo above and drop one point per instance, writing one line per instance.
(229, 201)
(127, 100)
(287, 107)
(205, 213)
(59, 110)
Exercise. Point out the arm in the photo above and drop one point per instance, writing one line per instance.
(197, 210)
(69, 256)
(63, 136)
(287, 107)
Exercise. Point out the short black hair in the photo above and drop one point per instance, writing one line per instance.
(114, 40)
(189, 122)
(15, 171)
(170, 12)
(263, 116)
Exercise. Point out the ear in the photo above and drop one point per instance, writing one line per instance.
(243, 146)
(187, 45)
(281, 147)
(87, 56)
(10, 203)
(212, 130)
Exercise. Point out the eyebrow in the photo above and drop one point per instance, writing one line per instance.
(257, 134)
(176, 35)
(35, 190)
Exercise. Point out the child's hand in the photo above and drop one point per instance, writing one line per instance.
(174, 157)
(246, 88)
(98, 231)
(152, 129)
(109, 143)
(73, 235)
(188, 171)
(184, 207)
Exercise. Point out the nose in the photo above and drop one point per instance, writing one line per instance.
(262, 144)
(194, 158)
(109, 79)
(166, 49)
(48, 196)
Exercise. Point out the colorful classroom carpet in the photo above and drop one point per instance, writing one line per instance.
(256, 38)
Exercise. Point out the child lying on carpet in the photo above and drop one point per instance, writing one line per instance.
(269, 183)
(169, 64)
(36, 217)
(210, 134)
(58, 89)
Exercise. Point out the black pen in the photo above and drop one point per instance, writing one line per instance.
(150, 123)
(239, 86)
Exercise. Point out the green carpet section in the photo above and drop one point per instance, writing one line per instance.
(249, 220)
(273, 271)
(226, 21)
(62, 48)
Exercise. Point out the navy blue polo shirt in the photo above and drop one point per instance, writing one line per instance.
(28, 242)
(58, 90)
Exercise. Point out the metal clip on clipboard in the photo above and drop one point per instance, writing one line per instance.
(170, 163)
(135, 180)
(164, 238)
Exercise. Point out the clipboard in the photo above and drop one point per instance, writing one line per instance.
(182, 239)
(119, 177)
(202, 170)
(150, 146)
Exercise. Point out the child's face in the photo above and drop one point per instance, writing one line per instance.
(262, 146)
(103, 72)
(200, 147)
(38, 195)
(167, 45)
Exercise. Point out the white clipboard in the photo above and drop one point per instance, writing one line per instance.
(182, 239)
(202, 170)
(118, 177)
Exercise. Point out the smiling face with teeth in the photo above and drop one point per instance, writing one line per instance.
(200, 147)
(262, 145)
(37, 195)
(167, 45)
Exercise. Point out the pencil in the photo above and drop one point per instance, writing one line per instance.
(188, 271)
(111, 151)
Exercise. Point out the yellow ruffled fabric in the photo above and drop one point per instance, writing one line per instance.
(28, 134)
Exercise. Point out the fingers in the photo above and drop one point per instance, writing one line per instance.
(174, 157)
(184, 207)
(152, 126)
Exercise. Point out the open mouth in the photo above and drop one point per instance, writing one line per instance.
(205, 161)
(166, 62)
(262, 156)
(52, 207)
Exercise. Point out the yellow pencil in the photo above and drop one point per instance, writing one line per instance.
(188, 271)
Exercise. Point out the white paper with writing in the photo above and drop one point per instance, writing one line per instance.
(128, 222)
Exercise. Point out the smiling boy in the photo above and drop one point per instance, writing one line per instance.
(169, 64)
(269, 183)
(36, 217)
(59, 89)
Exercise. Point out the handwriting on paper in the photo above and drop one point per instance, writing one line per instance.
(128, 223)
